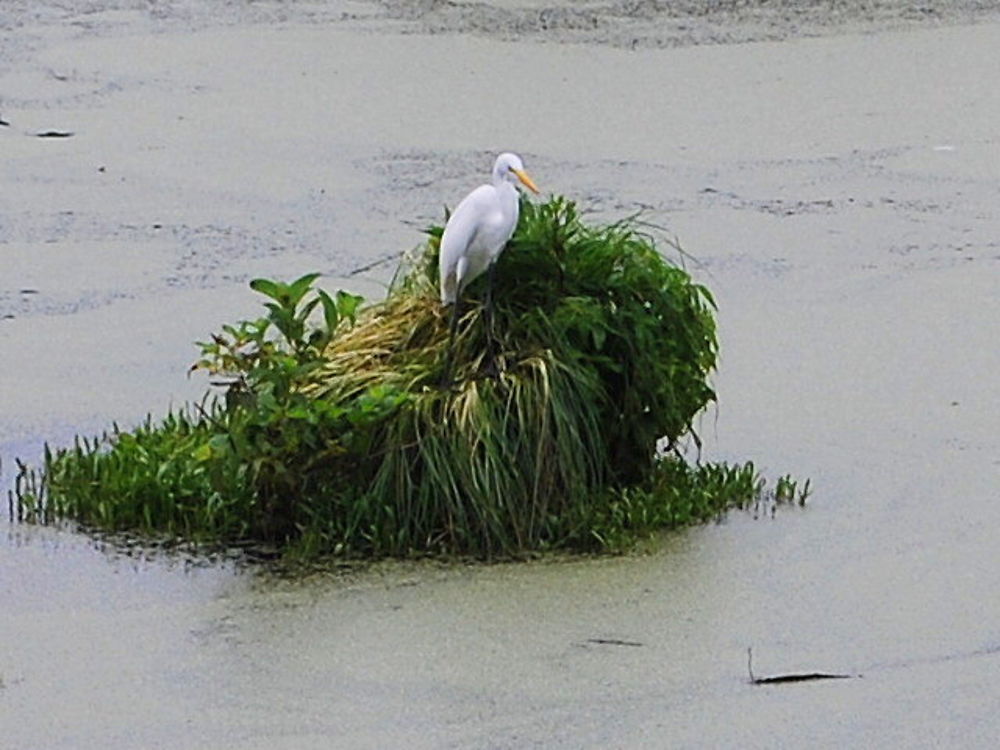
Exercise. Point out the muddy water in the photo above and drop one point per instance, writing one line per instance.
(838, 195)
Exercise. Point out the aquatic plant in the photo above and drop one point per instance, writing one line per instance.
(337, 436)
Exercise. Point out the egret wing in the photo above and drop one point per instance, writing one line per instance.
(459, 236)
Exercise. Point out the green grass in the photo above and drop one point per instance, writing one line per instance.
(336, 437)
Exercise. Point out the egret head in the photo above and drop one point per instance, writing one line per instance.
(510, 168)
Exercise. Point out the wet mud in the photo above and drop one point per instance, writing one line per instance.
(830, 170)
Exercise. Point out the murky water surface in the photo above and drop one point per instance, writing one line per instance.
(839, 196)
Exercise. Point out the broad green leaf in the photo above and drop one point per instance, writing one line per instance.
(306, 309)
(273, 289)
(298, 288)
(331, 313)
(348, 303)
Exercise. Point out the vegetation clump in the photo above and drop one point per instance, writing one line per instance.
(339, 437)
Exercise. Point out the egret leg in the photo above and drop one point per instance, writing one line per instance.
(452, 328)
(491, 342)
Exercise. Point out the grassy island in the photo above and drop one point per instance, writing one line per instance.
(335, 435)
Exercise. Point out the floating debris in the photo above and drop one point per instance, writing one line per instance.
(792, 676)
(613, 642)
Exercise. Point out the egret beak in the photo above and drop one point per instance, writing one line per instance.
(525, 180)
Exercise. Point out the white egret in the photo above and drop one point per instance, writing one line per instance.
(477, 233)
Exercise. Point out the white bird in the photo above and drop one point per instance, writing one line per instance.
(480, 227)
(475, 235)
